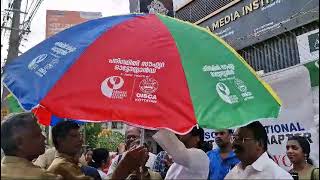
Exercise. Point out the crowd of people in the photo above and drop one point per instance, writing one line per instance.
(242, 154)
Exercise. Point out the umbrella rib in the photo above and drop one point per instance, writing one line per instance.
(134, 84)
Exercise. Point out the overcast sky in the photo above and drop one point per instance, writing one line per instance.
(107, 7)
(38, 26)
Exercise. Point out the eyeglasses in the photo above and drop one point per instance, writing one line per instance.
(219, 133)
(241, 140)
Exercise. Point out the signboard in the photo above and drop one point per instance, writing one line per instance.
(57, 21)
(164, 7)
(308, 45)
(252, 21)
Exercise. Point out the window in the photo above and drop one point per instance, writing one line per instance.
(117, 125)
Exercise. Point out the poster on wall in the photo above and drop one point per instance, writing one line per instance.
(164, 7)
(308, 45)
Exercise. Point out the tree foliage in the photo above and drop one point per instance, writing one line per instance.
(92, 131)
(110, 139)
(98, 137)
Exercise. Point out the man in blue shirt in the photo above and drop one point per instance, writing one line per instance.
(222, 159)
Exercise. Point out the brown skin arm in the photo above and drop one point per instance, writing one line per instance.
(130, 162)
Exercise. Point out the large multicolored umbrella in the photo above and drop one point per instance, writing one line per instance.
(148, 70)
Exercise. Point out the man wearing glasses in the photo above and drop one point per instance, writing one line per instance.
(222, 159)
(250, 145)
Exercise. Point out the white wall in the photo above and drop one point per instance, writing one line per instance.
(177, 4)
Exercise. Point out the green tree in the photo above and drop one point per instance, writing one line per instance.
(92, 131)
(110, 139)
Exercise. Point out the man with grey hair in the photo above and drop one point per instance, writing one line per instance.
(22, 141)
(132, 136)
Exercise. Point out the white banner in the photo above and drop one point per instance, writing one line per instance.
(297, 113)
(208, 134)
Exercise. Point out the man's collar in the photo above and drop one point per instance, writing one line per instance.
(230, 155)
(260, 162)
(15, 159)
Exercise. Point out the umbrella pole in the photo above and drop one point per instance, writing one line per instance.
(142, 137)
(50, 136)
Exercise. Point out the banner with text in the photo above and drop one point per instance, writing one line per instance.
(297, 115)
(252, 21)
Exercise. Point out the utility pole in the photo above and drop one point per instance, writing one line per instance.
(14, 39)
(14, 42)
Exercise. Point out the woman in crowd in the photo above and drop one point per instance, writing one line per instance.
(298, 151)
(88, 155)
(162, 163)
(100, 158)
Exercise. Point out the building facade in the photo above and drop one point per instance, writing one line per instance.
(115, 126)
(267, 33)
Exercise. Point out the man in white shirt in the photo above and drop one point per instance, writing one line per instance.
(190, 162)
(250, 146)
(45, 160)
